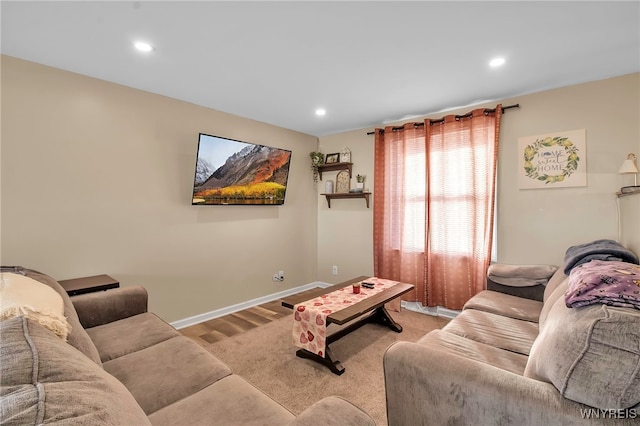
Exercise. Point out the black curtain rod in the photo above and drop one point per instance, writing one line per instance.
(440, 120)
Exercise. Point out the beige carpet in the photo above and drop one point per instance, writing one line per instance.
(265, 356)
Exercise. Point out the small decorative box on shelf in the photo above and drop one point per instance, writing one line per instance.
(89, 284)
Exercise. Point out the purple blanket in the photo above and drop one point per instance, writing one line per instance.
(597, 250)
(604, 282)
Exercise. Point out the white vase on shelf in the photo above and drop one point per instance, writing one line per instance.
(328, 187)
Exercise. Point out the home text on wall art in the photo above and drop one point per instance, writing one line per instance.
(555, 160)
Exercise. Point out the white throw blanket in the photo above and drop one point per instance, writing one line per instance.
(26, 297)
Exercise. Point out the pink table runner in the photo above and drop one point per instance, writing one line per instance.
(310, 317)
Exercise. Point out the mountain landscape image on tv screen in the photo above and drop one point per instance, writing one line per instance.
(231, 172)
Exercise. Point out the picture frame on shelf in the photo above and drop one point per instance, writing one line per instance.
(332, 158)
(345, 155)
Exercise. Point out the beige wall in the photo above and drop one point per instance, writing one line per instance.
(96, 178)
(630, 221)
(534, 225)
(345, 230)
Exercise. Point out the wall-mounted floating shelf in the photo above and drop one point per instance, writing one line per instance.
(624, 194)
(628, 190)
(334, 166)
(364, 195)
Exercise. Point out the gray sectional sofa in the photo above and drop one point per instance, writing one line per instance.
(122, 365)
(508, 360)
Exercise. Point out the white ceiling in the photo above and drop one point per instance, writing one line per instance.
(366, 63)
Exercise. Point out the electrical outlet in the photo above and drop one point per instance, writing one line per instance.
(334, 269)
(281, 275)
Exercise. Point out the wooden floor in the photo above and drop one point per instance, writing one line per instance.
(238, 322)
(232, 324)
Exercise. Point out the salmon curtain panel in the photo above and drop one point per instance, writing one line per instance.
(434, 205)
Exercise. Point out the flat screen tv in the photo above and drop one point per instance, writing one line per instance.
(232, 172)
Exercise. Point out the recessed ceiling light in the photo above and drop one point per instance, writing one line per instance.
(320, 112)
(142, 46)
(496, 62)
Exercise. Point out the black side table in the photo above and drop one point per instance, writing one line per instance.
(89, 284)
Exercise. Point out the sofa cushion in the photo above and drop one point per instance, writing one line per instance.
(167, 372)
(45, 380)
(505, 305)
(474, 350)
(24, 296)
(78, 337)
(131, 334)
(590, 354)
(494, 330)
(231, 400)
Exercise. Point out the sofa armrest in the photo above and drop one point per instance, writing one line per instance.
(526, 281)
(520, 275)
(434, 387)
(333, 410)
(112, 305)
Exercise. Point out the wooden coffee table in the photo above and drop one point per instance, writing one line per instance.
(369, 310)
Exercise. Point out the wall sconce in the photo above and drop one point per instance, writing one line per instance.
(629, 166)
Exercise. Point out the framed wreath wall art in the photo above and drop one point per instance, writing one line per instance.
(556, 160)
